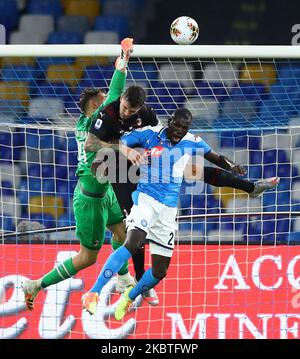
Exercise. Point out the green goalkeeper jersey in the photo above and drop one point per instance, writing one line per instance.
(85, 159)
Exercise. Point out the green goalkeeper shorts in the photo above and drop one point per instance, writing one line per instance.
(92, 215)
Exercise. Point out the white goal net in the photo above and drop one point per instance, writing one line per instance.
(235, 268)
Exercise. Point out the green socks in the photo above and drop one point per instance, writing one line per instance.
(115, 245)
(59, 273)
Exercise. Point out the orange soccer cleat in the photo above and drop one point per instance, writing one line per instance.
(89, 302)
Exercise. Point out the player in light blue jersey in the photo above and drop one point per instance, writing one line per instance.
(167, 151)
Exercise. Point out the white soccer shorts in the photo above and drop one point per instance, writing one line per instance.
(157, 220)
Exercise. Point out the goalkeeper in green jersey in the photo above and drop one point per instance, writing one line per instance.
(95, 204)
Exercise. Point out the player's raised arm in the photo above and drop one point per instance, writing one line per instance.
(118, 81)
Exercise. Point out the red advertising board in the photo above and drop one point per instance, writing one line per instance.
(210, 292)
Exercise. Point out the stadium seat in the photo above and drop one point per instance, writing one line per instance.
(225, 235)
(41, 24)
(289, 75)
(67, 74)
(64, 38)
(48, 89)
(46, 107)
(180, 73)
(118, 24)
(44, 62)
(296, 159)
(83, 61)
(10, 205)
(22, 38)
(15, 91)
(52, 205)
(244, 205)
(68, 23)
(66, 220)
(239, 109)
(46, 219)
(90, 8)
(264, 74)
(294, 132)
(10, 173)
(7, 223)
(224, 73)
(47, 7)
(204, 111)
(227, 194)
(17, 61)
(23, 73)
(208, 90)
(146, 72)
(9, 14)
(101, 37)
(118, 7)
(296, 192)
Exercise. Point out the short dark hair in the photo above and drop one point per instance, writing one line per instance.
(135, 95)
(181, 113)
(86, 95)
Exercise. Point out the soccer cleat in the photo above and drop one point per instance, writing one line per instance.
(89, 302)
(30, 289)
(151, 297)
(124, 304)
(123, 282)
(263, 185)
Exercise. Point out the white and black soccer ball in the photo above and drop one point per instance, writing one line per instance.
(184, 30)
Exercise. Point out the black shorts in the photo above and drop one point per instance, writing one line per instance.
(123, 192)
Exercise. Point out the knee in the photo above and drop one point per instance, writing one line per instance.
(135, 240)
(85, 259)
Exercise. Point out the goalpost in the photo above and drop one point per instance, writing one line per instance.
(234, 273)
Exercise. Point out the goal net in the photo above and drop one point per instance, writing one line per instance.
(234, 273)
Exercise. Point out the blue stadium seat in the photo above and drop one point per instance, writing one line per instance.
(113, 23)
(293, 238)
(117, 7)
(9, 15)
(212, 89)
(44, 62)
(64, 38)
(7, 223)
(66, 220)
(44, 218)
(67, 23)
(22, 73)
(290, 75)
(42, 139)
(48, 186)
(146, 72)
(49, 89)
(34, 170)
(7, 188)
(48, 171)
(98, 73)
(48, 7)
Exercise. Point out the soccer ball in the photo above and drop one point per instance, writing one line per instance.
(184, 30)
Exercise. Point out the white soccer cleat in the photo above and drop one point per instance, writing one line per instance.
(124, 281)
(263, 185)
(151, 297)
(30, 289)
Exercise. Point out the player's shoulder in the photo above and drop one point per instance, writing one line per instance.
(153, 129)
(191, 137)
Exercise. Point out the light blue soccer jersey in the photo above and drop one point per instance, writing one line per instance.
(161, 175)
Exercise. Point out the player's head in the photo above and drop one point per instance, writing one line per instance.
(179, 124)
(90, 99)
(131, 101)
